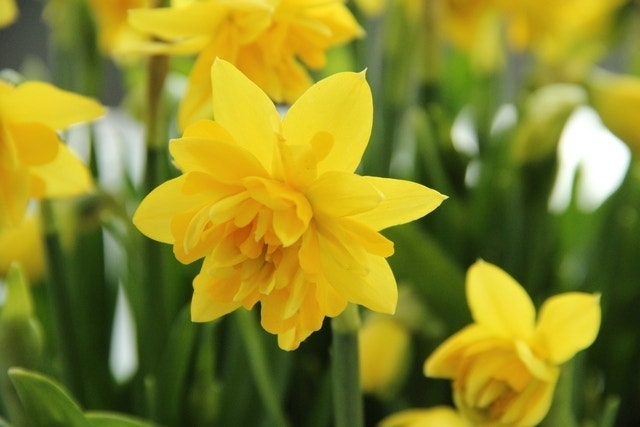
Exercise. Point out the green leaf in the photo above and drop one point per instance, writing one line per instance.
(46, 402)
(112, 419)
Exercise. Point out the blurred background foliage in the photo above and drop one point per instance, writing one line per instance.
(472, 98)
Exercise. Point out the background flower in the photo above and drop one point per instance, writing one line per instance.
(266, 39)
(275, 209)
(33, 161)
(505, 365)
(8, 12)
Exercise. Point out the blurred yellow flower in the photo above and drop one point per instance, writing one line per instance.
(268, 40)
(275, 208)
(33, 161)
(439, 416)
(23, 244)
(8, 12)
(553, 31)
(616, 98)
(115, 34)
(505, 365)
(384, 344)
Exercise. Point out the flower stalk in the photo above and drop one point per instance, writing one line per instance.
(347, 392)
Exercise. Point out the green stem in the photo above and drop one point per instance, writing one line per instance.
(154, 322)
(256, 354)
(347, 393)
(57, 280)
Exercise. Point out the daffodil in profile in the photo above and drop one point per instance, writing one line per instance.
(275, 209)
(34, 163)
(506, 364)
(268, 40)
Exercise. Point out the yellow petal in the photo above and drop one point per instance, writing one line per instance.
(205, 307)
(35, 143)
(44, 103)
(8, 12)
(444, 361)
(341, 106)
(568, 323)
(14, 194)
(197, 102)
(437, 416)
(341, 194)
(403, 201)
(154, 214)
(244, 110)
(377, 290)
(228, 163)
(23, 244)
(64, 176)
(497, 301)
(171, 23)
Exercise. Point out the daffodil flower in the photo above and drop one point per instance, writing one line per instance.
(438, 416)
(505, 365)
(34, 163)
(266, 39)
(274, 207)
(8, 12)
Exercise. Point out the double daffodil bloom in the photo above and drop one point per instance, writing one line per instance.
(268, 40)
(274, 207)
(8, 12)
(34, 163)
(439, 416)
(505, 365)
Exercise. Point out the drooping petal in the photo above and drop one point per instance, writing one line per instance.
(156, 211)
(497, 301)
(54, 107)
(340, 105)
(35, 143)
(568, 323)
(14, 194)
(444, 361)
(339, 194)
(64, 176)
(244, 110)
(403, 201)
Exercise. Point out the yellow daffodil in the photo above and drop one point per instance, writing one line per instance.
(266, 39)
(439, 416)
(616, 98)
(23, 244)
(384, 344)
(8, 12)
(274, 207)
(114, 31)
(505, 365)
(33, 161)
